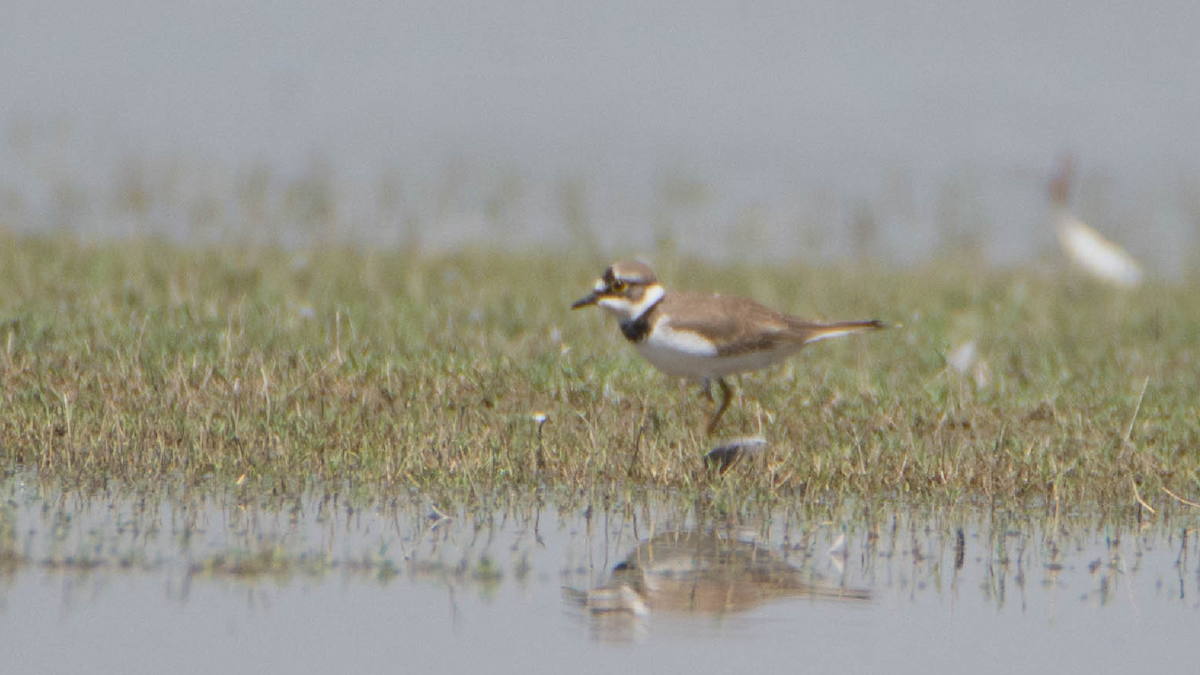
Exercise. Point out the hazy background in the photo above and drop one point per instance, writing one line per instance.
(821, 130)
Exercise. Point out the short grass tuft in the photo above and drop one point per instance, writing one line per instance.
(140, 361)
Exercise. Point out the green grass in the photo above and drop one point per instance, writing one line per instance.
(140, 361)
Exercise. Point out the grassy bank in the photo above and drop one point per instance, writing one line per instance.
(142, 360)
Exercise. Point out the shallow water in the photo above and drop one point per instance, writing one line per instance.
(207, 582)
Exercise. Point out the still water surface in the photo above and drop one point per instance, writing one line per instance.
(229, 582)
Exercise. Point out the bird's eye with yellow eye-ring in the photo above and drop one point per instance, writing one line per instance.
(618, 286)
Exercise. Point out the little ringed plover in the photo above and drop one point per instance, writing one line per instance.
(698, 335)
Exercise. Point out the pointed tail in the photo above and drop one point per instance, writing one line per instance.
(824, 331)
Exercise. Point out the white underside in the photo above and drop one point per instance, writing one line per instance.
(686, 354)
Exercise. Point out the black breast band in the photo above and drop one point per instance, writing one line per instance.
(639, 328)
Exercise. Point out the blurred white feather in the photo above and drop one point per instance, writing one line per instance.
(1098, 256)
(1089, 250)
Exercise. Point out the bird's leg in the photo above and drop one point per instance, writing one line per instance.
(726, 393)
(706, 389)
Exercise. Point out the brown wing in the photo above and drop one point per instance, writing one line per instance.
(744, 325)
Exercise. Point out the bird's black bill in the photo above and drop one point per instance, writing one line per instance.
(584, 302)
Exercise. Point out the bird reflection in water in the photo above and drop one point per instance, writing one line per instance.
(699, 573)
